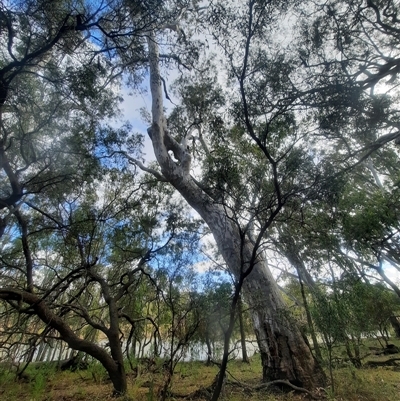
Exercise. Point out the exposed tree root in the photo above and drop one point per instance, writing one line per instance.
(278, 382)
(206, 392)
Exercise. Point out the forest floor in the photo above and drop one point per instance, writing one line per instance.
(380, 383)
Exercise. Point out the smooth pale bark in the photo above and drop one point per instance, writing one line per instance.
(284, 353)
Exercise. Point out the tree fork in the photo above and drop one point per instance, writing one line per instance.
(284, 353)
(114, 368)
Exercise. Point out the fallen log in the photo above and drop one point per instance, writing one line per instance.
(388, 362)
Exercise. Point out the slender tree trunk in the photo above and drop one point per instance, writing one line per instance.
(350, 353)
(60, 354)
(356, 347)
(52, 356)
(209, 349)
(220, 380)
(354, 359)
(245, 358)
(31, 351)
(395, 324)
(310, 323)
(41, 351)
(50, 350)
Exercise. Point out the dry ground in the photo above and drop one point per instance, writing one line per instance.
(377, 384)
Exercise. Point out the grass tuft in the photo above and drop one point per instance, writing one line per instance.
(47, 384)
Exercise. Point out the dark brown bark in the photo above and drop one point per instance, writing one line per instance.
(220, 379)
(26, 249)
(114, 367)
(209, 349)
(16, 188)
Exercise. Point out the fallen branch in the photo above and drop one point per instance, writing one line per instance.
(388, 362)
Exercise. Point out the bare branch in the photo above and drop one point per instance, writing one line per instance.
(138, 163)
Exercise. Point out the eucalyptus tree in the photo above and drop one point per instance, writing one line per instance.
(179, 309)
(343, 241)
(289, 118)
(258, 156)
(55, 76)
(349, 55)
(54, 92)
(90, 253)
(262, 138)
(67, 279)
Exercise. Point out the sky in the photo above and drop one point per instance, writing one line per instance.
(131, 105)
(131, 109)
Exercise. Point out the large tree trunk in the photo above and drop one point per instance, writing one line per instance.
(284, 352)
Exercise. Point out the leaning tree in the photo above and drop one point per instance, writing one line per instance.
(262, 131)
(262, 127)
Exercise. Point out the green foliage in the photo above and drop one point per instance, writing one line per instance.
(6, 375)
(373, 216)
(275, 128)
(353, 309)
(97, 372)
(39, 385)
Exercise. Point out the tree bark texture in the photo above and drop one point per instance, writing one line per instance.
(284, 353)
(394, 321)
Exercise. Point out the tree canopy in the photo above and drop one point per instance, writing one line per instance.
(282, 135)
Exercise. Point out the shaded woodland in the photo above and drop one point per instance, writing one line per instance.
(269, 215)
